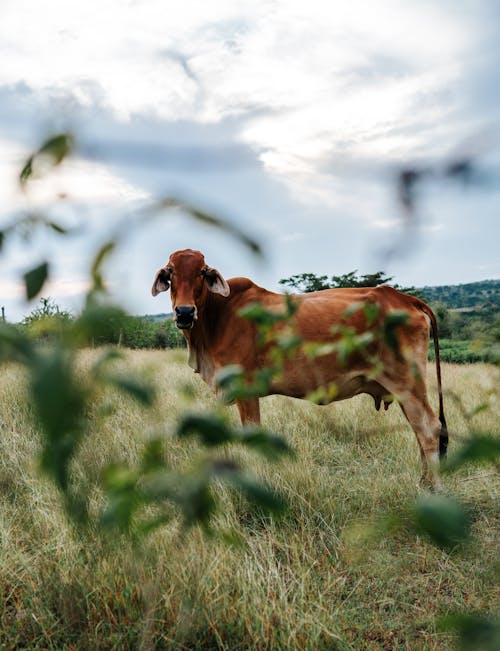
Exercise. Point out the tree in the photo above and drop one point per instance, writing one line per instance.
(306, 282)
(309, 282)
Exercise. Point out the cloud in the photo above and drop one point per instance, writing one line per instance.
(287, 117)
(74, 181)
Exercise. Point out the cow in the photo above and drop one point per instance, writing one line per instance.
(207, 308)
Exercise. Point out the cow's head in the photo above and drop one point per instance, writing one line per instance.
(189, 279)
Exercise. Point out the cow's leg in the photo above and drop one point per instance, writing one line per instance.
(249, 411)
(423, 421)
(427, 427)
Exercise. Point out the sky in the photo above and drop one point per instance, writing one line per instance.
(290, 119)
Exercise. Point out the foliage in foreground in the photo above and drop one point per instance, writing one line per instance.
(326, 575)
(138, 497)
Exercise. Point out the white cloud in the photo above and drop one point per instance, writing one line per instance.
(330, 95)
(74, 180)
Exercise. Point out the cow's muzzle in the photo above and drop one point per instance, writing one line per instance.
(184, 317)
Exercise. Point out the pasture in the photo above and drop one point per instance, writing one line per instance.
(319, 577)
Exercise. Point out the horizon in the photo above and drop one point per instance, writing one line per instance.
(168, 314)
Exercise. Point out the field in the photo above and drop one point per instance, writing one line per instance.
(316, 578)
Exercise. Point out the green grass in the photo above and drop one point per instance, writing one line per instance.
(465, 351)
(315, 579)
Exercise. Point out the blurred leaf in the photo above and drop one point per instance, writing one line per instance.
(15, 346)
(210, 429)
(227, 375)
(120, 484)
(391, 321)
(51, 153)
(57, 228)
(476, 449)
(257, 493)
(196, 500)
(443, 519)
(371, 312)
(476, 632)
(27, 171)
(269, 445)
(96, 272)
(231, 537)
(108, 356)
(353, 308)
(98, 321)
(260, 315)
(152, 457)
(463, 170)
(59, 400)
(143, 393)
(148, 526)
(210, 219)
(2, 239)
(58, 147)
(35, 279)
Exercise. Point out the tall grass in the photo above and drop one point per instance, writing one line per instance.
(313, 579)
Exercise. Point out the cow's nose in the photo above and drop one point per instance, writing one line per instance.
(184, 316)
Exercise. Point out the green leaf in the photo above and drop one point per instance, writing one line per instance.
(476, 449)
(96, 271)
(212, 220)
(391, 321)
(353, 308)
(143, 393)
(443, 519)
(371, 312)
(210, 429)
(152, 457)
(27, 171)
(57, 228)
(196, 500)
(15, 345)
(228, 375)
(124, 498)
(476, 632)
(51, 153)
(58, 147)
(267, 444)
(59, 400)
(257, 493)
(34, 280)
(99, 321)
(2, 239)
(260, 315)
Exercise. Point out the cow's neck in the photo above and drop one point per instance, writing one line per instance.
(198, 338)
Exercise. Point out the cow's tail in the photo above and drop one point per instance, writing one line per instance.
(443, 434)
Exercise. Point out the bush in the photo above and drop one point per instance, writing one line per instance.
(463, 352)
(47, 322)
(137, 332)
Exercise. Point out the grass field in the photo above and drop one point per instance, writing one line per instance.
(313, 579)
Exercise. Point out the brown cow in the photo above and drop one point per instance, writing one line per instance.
(206, 308)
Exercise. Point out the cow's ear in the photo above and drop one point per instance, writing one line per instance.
(216, 282)
(161, 282)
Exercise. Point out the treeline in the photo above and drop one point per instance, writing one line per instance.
(48, 322)
(468, 319)
(468, 295)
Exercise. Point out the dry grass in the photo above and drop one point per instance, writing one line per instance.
(312, 580)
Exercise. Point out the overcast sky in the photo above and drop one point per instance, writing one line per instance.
(291, 119)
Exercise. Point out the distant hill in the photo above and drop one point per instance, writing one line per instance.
(468, 295)
(155, 318)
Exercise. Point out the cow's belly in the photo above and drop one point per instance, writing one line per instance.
(300, 380)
